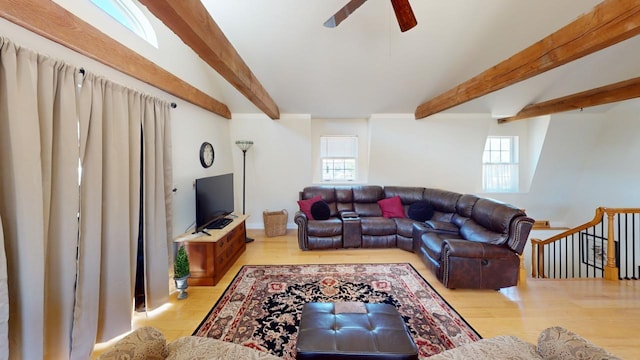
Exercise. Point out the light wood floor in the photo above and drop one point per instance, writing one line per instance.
(605, 312)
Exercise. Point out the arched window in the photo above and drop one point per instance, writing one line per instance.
(129, 15)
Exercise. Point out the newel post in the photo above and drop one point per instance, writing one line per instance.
(522, 272)
(610, 270)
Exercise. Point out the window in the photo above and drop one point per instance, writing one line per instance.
(130, 16)
(500, 164)
(339, 157)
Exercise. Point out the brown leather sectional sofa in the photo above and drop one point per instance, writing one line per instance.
(469, 242)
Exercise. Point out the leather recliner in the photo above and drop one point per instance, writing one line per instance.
(469, 242)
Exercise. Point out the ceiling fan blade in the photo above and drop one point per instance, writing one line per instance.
(404, 14)
(343, 13)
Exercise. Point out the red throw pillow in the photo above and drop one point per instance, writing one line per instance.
(305, 205)
(392, 207)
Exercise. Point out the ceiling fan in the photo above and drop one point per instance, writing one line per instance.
(402, 8)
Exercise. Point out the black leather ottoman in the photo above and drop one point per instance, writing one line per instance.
(353, 331)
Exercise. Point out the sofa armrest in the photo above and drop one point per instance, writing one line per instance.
(302, 221)
(559, 343)
(519, 233)
(347, 214)
(471, 249)
(143, 343)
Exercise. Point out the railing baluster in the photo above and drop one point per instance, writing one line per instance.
(580, 252)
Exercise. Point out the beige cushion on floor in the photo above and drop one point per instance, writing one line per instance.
(198, 348)
(499, 347)
(142, 344)
(557, 343)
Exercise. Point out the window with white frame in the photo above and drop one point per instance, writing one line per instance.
(500, 164)
(339, 158)
(130, 16)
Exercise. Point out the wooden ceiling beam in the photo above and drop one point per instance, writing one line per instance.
(620, 91)
(50, 20)
(191, 21)
(609, 23)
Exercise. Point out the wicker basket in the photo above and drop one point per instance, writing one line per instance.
(275, 222)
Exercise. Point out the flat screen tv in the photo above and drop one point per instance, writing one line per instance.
(214, 200)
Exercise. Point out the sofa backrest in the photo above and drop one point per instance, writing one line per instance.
(498, 223)
(443, 202)
(408, 194)
(365, 200)
(465, 205)
(328, 194)
(494, 215)
(344, 198)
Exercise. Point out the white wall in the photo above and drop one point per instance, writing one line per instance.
(278, 165)
(442, 151)
(191, 126)
(568, 143)
(610, 176)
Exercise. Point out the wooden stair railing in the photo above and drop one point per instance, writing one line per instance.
(610, 270)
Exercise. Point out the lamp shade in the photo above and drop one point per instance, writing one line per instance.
(244, 145)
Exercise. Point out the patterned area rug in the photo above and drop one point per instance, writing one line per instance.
(262, 305)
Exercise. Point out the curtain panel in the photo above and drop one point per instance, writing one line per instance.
(4, 300)
(71, 241)
(38, 199)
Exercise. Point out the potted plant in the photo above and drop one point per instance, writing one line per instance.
(181, 272)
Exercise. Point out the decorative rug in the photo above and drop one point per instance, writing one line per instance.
(262, 305)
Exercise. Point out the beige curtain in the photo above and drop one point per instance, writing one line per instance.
(38, 199)
(111, 121)
(70, 245)
(157, 177)
(4, 300)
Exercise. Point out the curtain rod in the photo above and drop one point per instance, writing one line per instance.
(173, 104)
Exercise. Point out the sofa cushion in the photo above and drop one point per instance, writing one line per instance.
(344, 198)
(144, 343)
(557, 343)
(442, 227)
(327, 193)
(465, 204)
(404, 227)
(407, 194)
(392, 207)
(432, 245)
(377, 225)
(365, 200)
(320, 210)
(420, 211)
(305, 205)
(499, 347)
(329, 227)
(442, 200)
(193, 347)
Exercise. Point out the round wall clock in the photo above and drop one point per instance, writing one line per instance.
(207, 154)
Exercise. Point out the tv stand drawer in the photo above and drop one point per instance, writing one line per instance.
(210, 257)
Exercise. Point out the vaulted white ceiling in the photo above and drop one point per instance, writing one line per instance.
(366, 65)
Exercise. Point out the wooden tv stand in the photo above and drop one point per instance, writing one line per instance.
(210, 257)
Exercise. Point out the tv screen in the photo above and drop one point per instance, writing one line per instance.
(214, 199)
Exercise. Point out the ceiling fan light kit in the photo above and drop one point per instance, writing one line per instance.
(404, 14)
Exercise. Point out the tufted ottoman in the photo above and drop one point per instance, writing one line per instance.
(353, 330)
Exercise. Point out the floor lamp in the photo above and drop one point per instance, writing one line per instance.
(244, 145)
